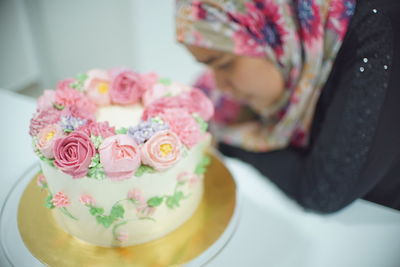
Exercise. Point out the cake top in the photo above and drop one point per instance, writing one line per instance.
(118, 123)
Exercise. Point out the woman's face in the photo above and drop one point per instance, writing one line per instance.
(254, 80)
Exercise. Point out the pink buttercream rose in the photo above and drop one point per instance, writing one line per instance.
(162, 150)
(153, 93)
(97, 86)
(160, 90)
(83, 108)
(64, 84)
(73, 154)
(87, 200)
(184, 125)
(46, 138)
(43, 118)
(120, 156)
(149, 79)
(60, 200)
(197, 102)
(126, 88)
(159, 106)
(194, 101)
(67, 96)
(46, 100)
(102, 129)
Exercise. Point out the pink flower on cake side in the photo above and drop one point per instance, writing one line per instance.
(65, 84)
(43, 118)
(145, 210)
(120, 156)
(66, 96)
(73, 154)
(162, 150)
(126, 88)
(41, 181)
(97, 86)
(46, 100)
(46, 138)
(122, 236)
(102, 129)
(87, 200)
(184, 125)
(60, 200)
(136, 195)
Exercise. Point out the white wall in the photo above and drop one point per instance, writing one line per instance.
(18, 65)
(156, 48)
(76, 35)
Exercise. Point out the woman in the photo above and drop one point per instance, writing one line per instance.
(318, 90)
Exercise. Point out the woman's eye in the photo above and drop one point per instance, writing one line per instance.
(225, 65)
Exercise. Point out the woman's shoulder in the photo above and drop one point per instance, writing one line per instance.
(371, 16)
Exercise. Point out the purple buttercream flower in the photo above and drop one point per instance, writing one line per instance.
(69, 123)
(145, 130)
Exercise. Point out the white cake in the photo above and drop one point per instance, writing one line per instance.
(127, 186)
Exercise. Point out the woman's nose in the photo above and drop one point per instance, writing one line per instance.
(222, 81)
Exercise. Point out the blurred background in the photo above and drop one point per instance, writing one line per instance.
(43, 41)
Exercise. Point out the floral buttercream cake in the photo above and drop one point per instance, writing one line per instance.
(122, 154)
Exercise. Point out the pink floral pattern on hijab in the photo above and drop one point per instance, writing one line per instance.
(302, 39)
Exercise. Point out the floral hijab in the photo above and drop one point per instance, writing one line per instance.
(301, 37)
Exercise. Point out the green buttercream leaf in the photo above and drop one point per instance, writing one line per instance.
(95, 160)
(96, 211)
(155, 201)
(43, 158)
(82, 77)
(96, 140)
(121, 130)
(117, 212)
(165, 81)
(157, 120)
(201, 167)
(96, 169)
(48, 203)
(144, 169)
(106, 221)
(170, 202)
(173, 201)
(57, 106)
(80, 81)
(202, 123)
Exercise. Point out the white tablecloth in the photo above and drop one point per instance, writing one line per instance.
(272, 230)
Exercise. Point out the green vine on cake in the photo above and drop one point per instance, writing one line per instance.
(201, 167)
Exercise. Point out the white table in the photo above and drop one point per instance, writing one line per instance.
(272, 230)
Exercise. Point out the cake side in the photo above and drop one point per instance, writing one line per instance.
(150, 206)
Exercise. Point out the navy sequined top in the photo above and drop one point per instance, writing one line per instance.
(355, 137)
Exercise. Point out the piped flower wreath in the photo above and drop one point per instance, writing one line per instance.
(67, 136)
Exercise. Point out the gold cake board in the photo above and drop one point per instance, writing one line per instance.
(53, 247)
